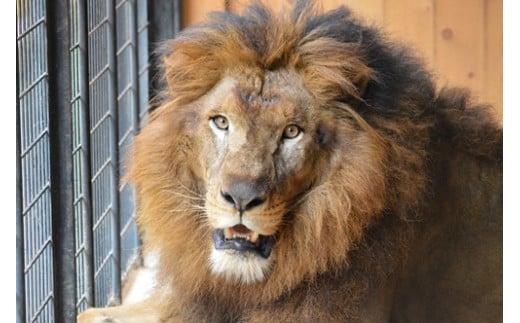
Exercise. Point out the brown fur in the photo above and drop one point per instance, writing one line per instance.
(351, 223)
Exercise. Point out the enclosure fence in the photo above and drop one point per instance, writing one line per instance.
(84, 80)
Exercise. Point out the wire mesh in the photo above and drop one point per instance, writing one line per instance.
(35, 161)
(80, 154)
(103, 142)
(143, 57)
(127, 102)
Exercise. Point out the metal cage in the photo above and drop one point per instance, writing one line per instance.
(83, 87)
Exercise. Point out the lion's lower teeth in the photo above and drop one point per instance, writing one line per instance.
(230, 234)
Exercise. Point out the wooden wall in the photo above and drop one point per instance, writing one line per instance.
(461, 41)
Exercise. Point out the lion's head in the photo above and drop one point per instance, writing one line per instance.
(267, 160)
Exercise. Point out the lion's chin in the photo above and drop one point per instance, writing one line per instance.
(240, 267)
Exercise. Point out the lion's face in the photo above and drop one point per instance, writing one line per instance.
(257, 181)
(261, 143)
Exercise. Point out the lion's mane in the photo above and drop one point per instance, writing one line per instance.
(350, 68)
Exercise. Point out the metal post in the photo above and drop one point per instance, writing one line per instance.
(112, 67)
(85, 144)
(164, 19)
(20, 280)
(165, 22)
(128, 121)
(60, 131)
(135, 68)
(143, 58)
(177, 16)
(104, 150)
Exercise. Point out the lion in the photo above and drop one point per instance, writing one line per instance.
(305, 168)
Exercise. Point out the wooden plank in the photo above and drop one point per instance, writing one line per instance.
(196, 11)
(459, 44)
(494, 54)
(412, 21)
(371, 11)
(238, 6)
(366, 9)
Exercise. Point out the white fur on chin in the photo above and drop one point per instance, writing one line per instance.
(243, 267)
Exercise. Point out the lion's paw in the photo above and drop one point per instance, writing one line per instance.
(95, 315)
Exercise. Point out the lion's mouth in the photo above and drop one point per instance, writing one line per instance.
(240, 238)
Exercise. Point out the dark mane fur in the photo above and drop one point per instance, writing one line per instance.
(377, 77)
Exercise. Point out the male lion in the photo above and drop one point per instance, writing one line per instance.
(305, 169)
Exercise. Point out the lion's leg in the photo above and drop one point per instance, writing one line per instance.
(141, 298)
(143, 312)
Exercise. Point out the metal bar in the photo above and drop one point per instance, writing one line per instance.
(162, 19)
(103, 263)
(135, 124)
(101, 23)
(30, 87)
(101, 218)
(36, 197)
(125, 228)
(135, 67)
(33, 113)
(100, 170)
(143, 57)
(34, 143)
(177, 16)
(20, 281)
(164, 22)
(41, 308)
(103, 147)
(85, 143)
(116, 243)
(38, 253)
(60, 131)
(123, 47)
(101, 73)
(31, 28)
(100, 122)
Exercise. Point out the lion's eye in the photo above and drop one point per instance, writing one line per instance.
(220, 122)
(291, 131)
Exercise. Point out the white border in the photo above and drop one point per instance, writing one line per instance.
(511, 160)
(8, 160)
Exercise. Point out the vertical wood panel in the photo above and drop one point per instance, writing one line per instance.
(194, 11)
(412, 21)
(459, 42)
(275, 5)
(493, 91)
(369, 10)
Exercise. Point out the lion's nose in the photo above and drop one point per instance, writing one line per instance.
(244, 195)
